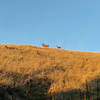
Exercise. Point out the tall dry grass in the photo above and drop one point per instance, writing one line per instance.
(66, 69)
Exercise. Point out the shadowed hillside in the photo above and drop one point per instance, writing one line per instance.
(41, 73)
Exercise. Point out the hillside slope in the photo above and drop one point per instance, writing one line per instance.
(60, 70)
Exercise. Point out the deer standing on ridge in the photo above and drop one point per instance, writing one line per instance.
(44, 45)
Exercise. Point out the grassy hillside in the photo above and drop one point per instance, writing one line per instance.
(60, 74)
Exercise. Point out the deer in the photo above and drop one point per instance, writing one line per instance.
(44, 45)
(59, 47)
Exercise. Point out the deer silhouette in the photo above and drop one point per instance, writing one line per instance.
(58, 47)
(44, 45)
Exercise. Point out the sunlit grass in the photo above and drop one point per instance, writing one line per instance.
(66, 69)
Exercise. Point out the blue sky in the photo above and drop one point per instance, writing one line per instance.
(73, 24)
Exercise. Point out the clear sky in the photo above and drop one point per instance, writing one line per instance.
(73, 24)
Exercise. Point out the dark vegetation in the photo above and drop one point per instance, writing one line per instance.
(91, 92)
(26, 87)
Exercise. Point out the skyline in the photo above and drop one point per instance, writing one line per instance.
(72, 24)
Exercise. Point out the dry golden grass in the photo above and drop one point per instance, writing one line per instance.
(67, 69)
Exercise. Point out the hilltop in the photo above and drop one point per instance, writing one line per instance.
(56, 71)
